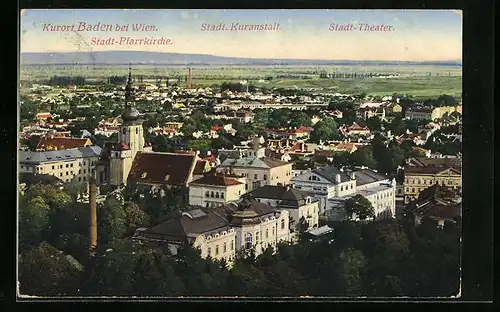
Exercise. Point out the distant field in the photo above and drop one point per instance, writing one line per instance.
(419, 81)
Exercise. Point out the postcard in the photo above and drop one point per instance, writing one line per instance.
(239, 154)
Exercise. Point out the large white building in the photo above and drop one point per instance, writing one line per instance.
(75, 164)
(332, 187)
(220, 232)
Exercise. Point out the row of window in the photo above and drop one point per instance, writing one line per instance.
(213, 194)
(224, 249)
(429, 181)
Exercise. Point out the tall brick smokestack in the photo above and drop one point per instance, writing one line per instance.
(189, 79)
(93, 215)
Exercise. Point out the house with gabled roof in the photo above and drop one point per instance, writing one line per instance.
(216, 189)
(154, 169)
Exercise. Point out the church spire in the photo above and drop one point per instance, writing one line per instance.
(128, 88)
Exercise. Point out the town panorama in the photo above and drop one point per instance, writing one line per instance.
(240, 180)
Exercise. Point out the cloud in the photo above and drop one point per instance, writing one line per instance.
(459, 12)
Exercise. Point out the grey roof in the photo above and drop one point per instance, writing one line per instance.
(330, 173)
(367, 176)
(289, 197)
(30, 157)
(187, 227)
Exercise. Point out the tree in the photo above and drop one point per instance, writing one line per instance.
(45, 271)
(135, 217)
(359, 207)
(33, 221)
(353, 263)
(324, 130)
(111, 220)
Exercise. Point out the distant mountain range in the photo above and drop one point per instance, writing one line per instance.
(166, 58)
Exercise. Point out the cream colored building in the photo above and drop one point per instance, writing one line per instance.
(257, 225)
(75, 164)
(258, 169)
(215, 190)
(202, 229)
(221, 232)
(418, 179)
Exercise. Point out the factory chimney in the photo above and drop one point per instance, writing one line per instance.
(93, 215)
(189, 79)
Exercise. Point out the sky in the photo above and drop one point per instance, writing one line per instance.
(418, 35)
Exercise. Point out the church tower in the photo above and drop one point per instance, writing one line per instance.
(130, 139)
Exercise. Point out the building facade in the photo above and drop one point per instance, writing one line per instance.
(215, 190)
(76, 164)
(421, 173)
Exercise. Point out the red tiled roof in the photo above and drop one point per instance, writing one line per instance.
(162, 168)
(218, 180)
(58, 143)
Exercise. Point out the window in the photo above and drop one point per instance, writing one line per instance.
(232, 245)
(341, 188)
(52, 167)
(206, 204)
(246, 186)
(60, 174)
(207, 194)
(71, 165)
(282, 224)
(84, 171)
(212, 194)
(272, 231)
(209, 251)
(216, 250)
(123, 131)
(67, 165)
(79, 179)
(84, 178)
(224, 247)
(265, 177)
(221, 195)
(136, 130)
(248, 240)
(67, 173)
(80, 171)
(216, 194)
(255, 176)
(60, 166)
(267, 233)
(116, 156)
(256, 237)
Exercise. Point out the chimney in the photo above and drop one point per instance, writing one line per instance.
(93, 216)
(337, 178)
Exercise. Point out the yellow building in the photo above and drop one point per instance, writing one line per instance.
(422, 173)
